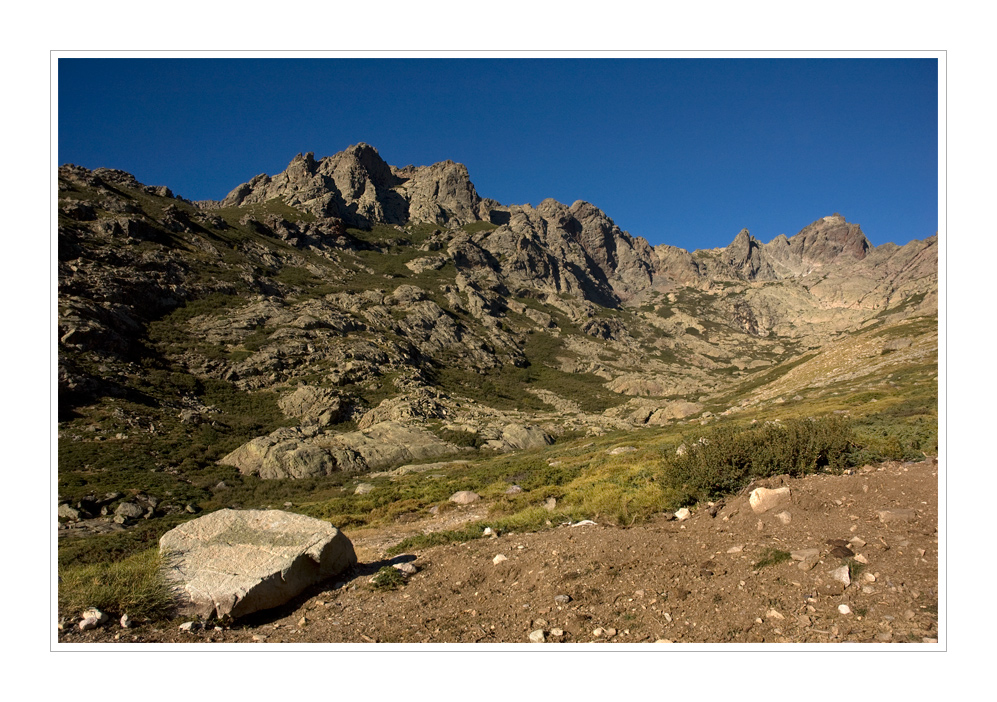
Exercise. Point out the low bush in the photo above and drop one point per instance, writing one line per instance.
(726, 459)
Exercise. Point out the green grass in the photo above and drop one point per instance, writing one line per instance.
(132, 586)
(772, 557)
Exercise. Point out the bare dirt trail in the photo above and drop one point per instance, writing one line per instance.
(725, 575)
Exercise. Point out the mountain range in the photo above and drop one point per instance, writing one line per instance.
(349, 315)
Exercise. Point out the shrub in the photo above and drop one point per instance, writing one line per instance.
(728, 458)
(387, 578)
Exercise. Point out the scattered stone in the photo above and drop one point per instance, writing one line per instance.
(129, 510)
(557, 632)
(465, 497)
(842, 552)
(621, 449)
(513, 490)
(896, 515)
(735, 549)
(844, 609)
(584, 522)
(804, 554)
(537, 636)
(869, 577)
(498, 559)
(784, 517)
(302, 621)
(862, 559)
(598, 632)
(856, 542)
(192, 509)
(125, 621)
(234, 562)
(488, 532)
(683, 514)
(562, 599)
(773, 614)
(764, 499)
(841, 575)
(550, 503)
(91, 619)
(363, 489)
(189, 626)
(405, 568)
(69, 512)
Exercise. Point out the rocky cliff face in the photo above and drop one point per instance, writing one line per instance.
(372, 306)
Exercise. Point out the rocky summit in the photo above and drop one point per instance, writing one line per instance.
(348, 318)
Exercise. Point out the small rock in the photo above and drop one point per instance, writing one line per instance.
(764, 499)
(557, 632)
(405, 568)
(562, 599)
(513, 490)
(129, 510)
(773, 614)
(610, 632)
(584, 522)
(91, 619)
(550, 503)
(363, 489)
(302, 621)
(683, 514)
(862, 559)
(896, 515)
(735, 549)
(488, 532)
(192, 509)
(804, 554)
(498, 559)
(125, 621)
(465, 497)
(784, 517)
(844, 609)
(869, 577)
(621, 449)
(598, 632)
(842, 552)
(189, 626)
(841, 575)
(537, 636)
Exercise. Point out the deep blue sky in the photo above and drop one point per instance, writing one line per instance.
(679, 151)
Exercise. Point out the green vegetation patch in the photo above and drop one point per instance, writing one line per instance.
(133, 586)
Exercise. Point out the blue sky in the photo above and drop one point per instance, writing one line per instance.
(679, 151)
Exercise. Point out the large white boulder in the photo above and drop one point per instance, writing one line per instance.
(234, 562)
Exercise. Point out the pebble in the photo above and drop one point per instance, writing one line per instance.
(498, 559)
(773, 614)
(126, 621)
(784, 517)
(92, 618)
(537, 636)
(557, 632)
(841, 575)
(302, 621)
(562, 599)
(844, 609)
(683, 514)
(862, 559)
(406, 568)
(735, 549)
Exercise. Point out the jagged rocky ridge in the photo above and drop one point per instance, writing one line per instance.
(398, 315)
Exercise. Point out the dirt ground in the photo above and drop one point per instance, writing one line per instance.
(724, 575)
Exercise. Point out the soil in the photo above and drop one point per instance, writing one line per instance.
(725, 574)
